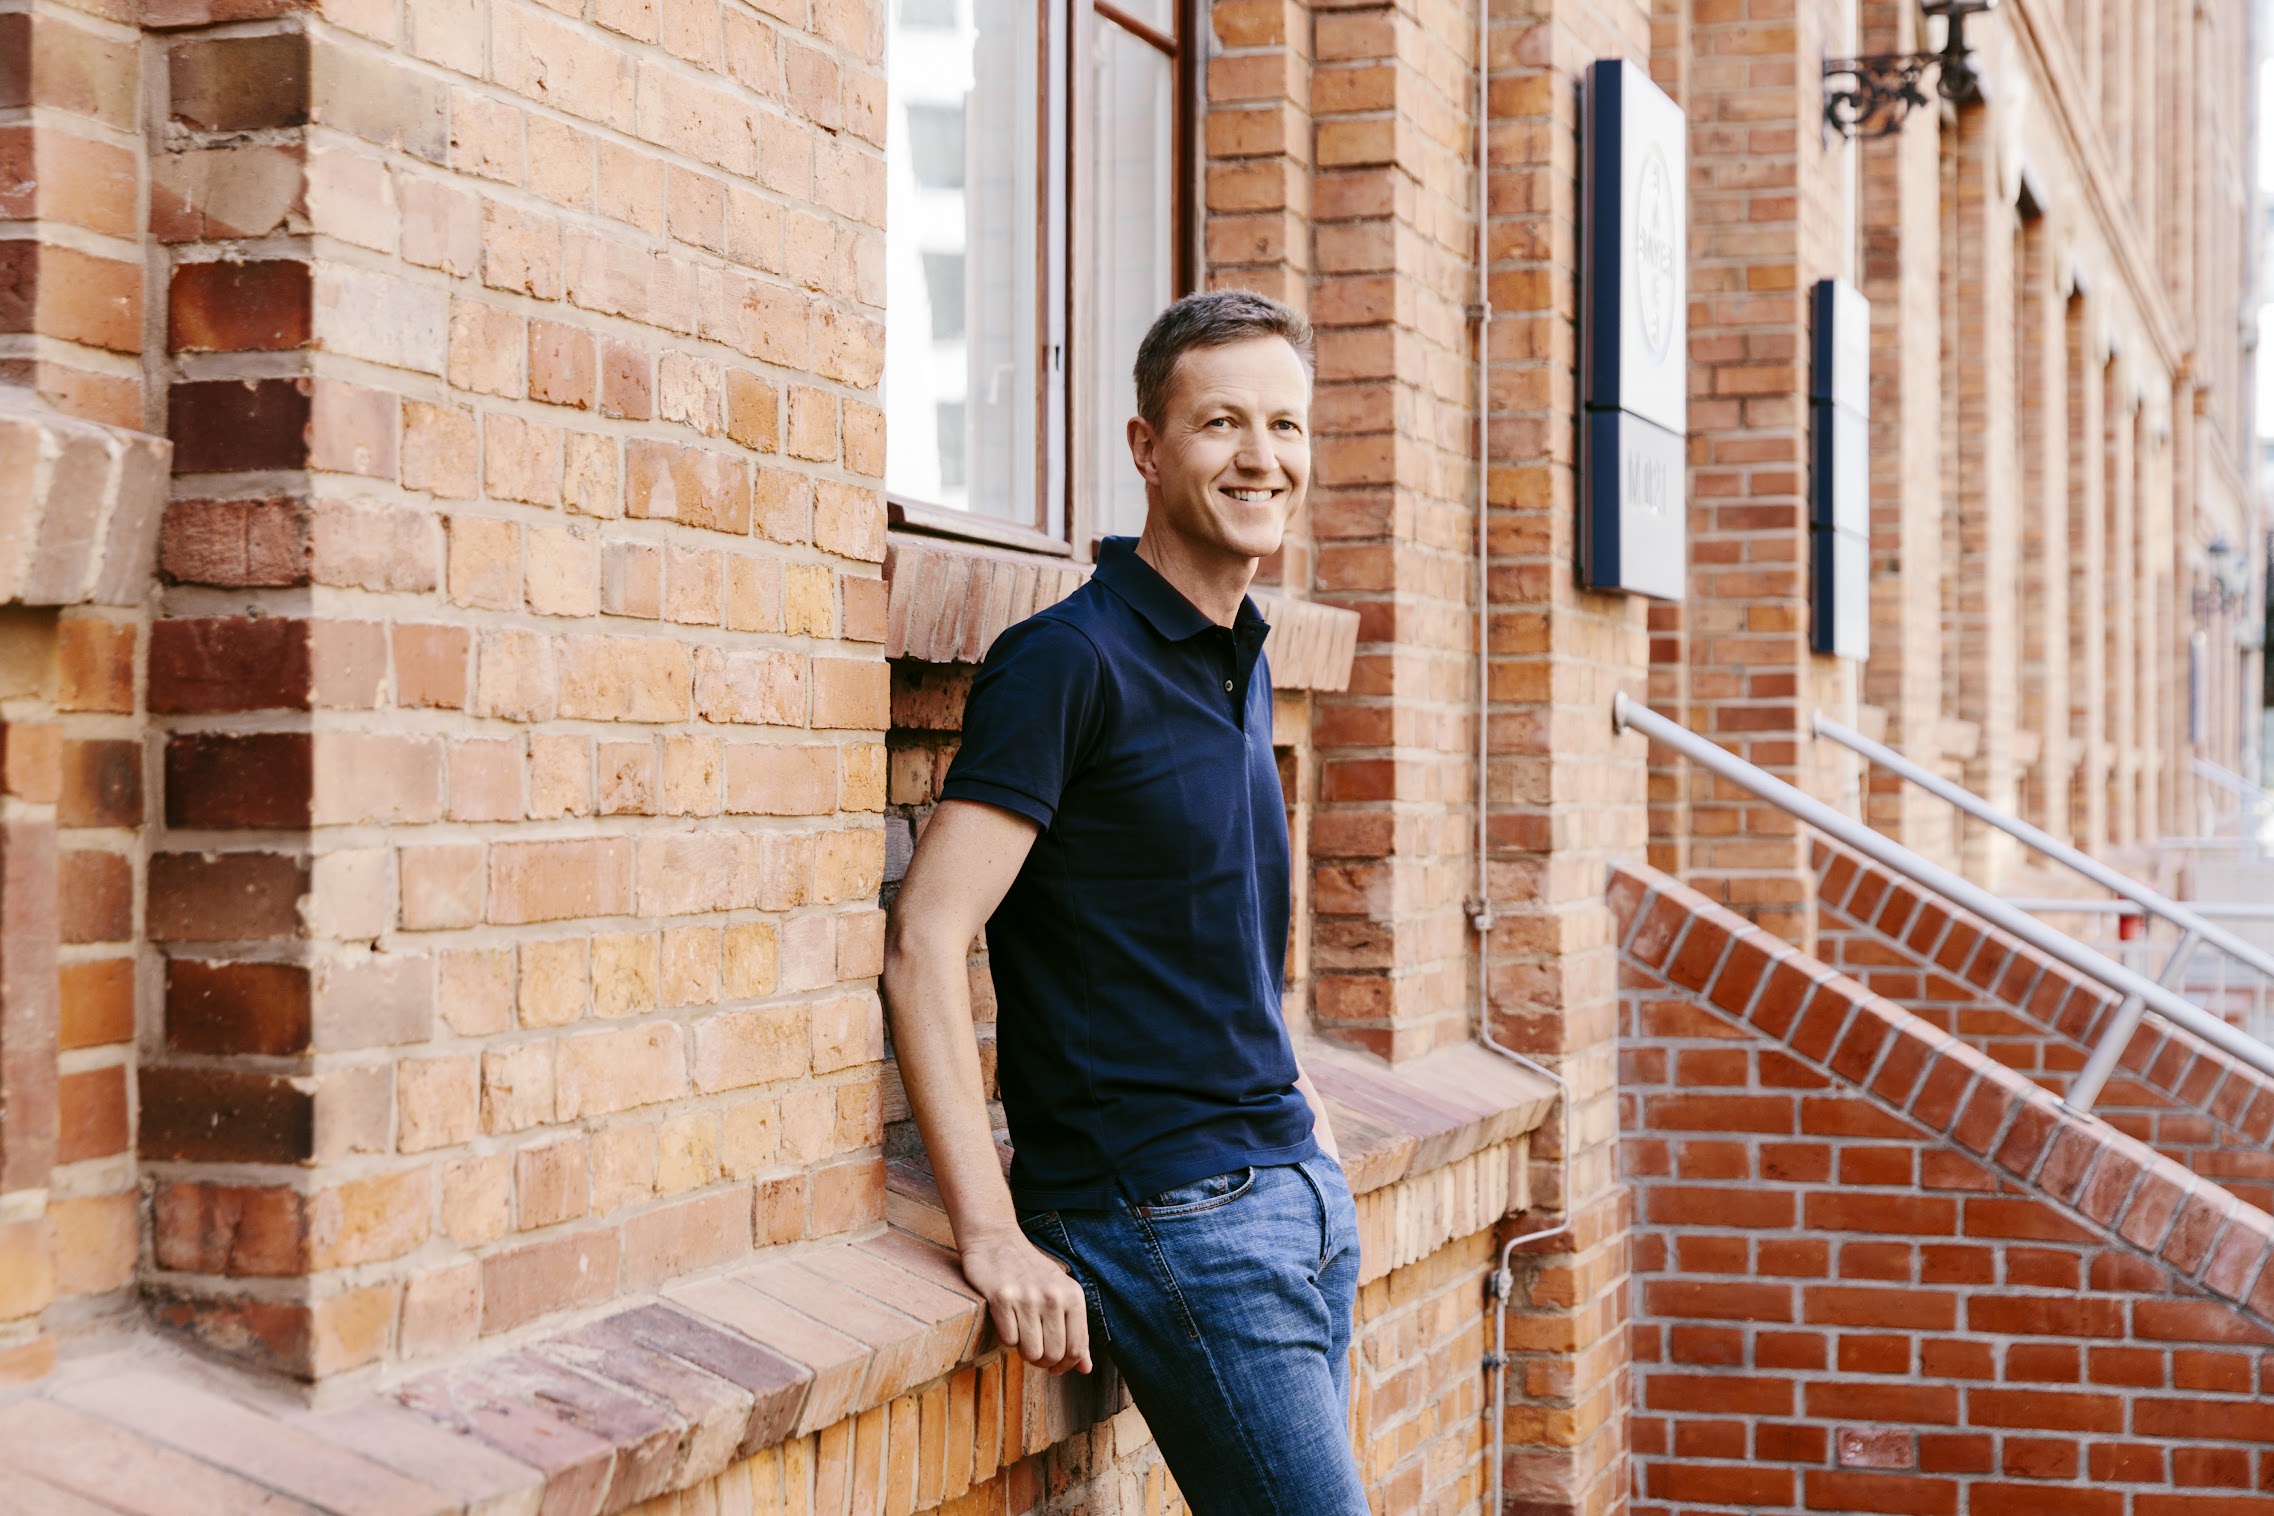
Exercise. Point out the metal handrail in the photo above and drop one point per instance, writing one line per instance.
(2217, 910)
(2153, 902)
(2194, 930)
(2233, 783)
(1980, 902)
(2254, 806)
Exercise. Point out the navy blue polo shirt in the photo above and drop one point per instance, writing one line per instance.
(1138, 958)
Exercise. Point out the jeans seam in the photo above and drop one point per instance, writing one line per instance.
(1326, 1218)
(1254, 1456)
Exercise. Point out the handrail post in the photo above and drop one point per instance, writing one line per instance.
(2118, 1034)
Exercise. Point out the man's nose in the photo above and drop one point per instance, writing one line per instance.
(1256, 455)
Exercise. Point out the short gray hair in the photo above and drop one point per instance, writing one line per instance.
(1212, 318)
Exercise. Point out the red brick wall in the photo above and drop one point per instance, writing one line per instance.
(71, 182)
(2184, 1098)
(514, 889)
(1879, 1272)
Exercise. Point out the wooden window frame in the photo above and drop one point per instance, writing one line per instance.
(1064, 524)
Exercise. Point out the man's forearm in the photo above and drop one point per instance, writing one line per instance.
(927, 984)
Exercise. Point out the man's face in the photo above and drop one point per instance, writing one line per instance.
(1230, 461)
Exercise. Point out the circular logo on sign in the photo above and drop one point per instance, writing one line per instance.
(1654, 274)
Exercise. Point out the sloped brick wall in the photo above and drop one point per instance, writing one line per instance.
(1878, 1271)
(2181, 1096)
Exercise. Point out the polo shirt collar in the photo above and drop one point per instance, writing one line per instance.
(1161, 603)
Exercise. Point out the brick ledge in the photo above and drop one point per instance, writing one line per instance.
(950, 600)
(663, 1395)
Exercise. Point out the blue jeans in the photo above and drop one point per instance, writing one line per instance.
(1226, 1304)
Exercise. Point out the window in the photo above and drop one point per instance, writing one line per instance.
(1134, 249)
(1039, 214)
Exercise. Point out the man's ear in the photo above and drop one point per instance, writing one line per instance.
(1142, 441)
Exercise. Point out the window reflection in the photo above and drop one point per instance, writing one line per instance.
(961, 341)
(1134, 270)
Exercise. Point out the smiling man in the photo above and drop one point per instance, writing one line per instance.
(1114, 821)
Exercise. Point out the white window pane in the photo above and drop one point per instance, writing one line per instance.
(1134, 272)
(960, 359)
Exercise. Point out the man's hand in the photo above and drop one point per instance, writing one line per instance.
(1038, 1308)
(966, 861)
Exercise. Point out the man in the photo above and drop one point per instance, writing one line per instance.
(1113, 819)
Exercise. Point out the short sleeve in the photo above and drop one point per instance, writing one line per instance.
(1033, 714)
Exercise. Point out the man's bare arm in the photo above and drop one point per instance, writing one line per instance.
(966, 861)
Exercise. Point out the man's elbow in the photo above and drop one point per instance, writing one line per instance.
(914, 939)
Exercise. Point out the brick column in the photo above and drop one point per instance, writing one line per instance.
(1568, 796)
(2120, 422)
(2043, 391)
(1391, 842)
(1981, 521)
(2163, 654)
(79, 505)
(1764, 217)
(1671, 68)
(2088, 572)
(520, 684)
(80, 487)
(1901, 274)
(71, 290)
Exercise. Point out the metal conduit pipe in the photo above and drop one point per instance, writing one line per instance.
(1480, 904)
(1814, 813)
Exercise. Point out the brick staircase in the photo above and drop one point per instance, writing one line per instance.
(1880, 1270)
(2179, 1095)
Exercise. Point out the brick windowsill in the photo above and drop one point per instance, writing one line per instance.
(662, 1395)
(950, 600)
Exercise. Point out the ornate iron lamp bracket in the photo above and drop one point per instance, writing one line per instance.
(1872, 95)
(1881, 89)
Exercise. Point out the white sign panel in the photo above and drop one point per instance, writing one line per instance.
(1635, 336)
(1638, 264)
(1839, 486)
(1637, 475)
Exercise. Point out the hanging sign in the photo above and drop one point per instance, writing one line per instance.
(1839, 490)
(1634, 346)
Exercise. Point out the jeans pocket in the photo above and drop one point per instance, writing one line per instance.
(1200, 1195)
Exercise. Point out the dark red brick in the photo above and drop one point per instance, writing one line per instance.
(262, 779)
(237, 1007)
(210, 1115)
(226, 426)
(230, 663)
(225, 306)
